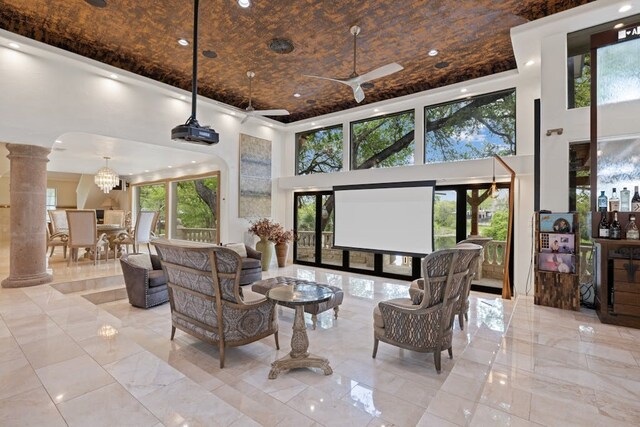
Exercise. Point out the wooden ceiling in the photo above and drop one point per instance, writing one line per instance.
(141, 36)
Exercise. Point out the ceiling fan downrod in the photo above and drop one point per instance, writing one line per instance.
(355, 30)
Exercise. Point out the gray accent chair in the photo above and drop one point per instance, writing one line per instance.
(207, 300)
(426, 324)
(251, 267)
(145, 288)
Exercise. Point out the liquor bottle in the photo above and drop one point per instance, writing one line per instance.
(615, 230)
(625, 196)
(635, 202)
(603, 227)
(632, 229)
(603, 202)
(614, 202)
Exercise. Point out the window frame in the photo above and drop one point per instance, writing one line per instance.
(514, 90)
(352, 157)
(297, 146)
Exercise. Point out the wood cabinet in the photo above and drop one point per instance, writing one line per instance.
(618, 290)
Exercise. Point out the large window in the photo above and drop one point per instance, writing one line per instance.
(472, 128)
(319, 151)
(385, 141)
(153, 197)
(196, 209)
(52, 199)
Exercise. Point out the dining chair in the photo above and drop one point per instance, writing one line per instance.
(58, 220)
(84, 234)
(114, 217)
(57, 239)
(142, 232)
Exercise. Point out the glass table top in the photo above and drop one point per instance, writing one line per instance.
(300, 293)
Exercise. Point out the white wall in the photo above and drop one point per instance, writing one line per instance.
(53, 92)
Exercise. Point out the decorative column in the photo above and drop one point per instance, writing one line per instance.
(28, 187)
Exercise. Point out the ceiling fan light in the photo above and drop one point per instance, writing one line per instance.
(244, 3)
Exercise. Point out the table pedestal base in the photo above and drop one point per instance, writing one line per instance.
(299, 357)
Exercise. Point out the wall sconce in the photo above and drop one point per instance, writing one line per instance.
(557, 131)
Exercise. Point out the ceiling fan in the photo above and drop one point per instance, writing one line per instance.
(250, 111)
(354, 81)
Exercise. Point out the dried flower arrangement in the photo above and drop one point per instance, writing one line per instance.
(265, 228)
(283, 236)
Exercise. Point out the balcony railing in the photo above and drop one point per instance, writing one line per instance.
(207, 235)
(492, 263)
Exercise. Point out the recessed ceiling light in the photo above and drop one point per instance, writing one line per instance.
(297, 95)
(244, 3)
(14, 45)
(169, 166)
(183, 42)
(313, 123)
(233, 113)
(270, 125)
(182, 97)
(463, 90)
(375, 110)
(97, 3)
(130, 173)
(433, 52)
(530, 63)
(443, 64)
(113, 76)
(625, 8)
(620, 25)
(58, 141)
(193, 161)
(146, 170)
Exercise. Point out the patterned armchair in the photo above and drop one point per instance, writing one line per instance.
(426, 324)
(462, 308)
(206, 298)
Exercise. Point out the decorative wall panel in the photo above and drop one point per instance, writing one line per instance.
(255, 177)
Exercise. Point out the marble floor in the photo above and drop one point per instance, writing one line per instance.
(67, 361)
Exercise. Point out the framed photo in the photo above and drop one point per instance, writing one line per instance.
(556, 262)
(556, 222)
(557, 243)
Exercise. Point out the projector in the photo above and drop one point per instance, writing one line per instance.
(192, 132)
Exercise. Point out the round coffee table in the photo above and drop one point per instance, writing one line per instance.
(298, 295)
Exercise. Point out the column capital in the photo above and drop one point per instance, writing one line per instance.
(30, 151)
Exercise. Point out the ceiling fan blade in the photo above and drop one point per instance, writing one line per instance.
(358, 93)
(346, 82)
(245, 119)
(271, 112)
(385, 70)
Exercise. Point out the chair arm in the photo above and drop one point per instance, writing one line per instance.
(252, 253)
(136, 280)
(63, 236)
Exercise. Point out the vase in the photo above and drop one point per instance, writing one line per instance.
(265, 247)
(282, 250)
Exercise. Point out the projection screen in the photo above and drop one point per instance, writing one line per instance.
(395, 218)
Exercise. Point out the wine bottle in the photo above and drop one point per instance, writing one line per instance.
(632, 229)
(603, 227)
(635, 202)
(603, 201)
(625, 196)
(614, 202)
(615, 230)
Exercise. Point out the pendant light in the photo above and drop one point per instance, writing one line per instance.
(106, 178)
(494, 187)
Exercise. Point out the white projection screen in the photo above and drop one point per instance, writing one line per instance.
(394, 218)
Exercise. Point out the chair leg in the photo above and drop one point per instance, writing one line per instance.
(173, 332)
(335, 311)
(461, 321)
(450, 351)
(466, 316)
(277, 342)
(70, 256)
(95, 255)
(436, 360)
(314, 321)
(221, 347)
(51, 254)
(64, 251)
(375, 347)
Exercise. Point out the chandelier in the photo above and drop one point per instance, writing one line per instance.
(106, 178)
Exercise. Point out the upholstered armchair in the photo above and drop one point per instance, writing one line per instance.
(426, 324)
(57, 239)
(207, 300)
(462, 308)
(144, 279)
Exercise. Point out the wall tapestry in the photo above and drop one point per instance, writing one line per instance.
(255, 177)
